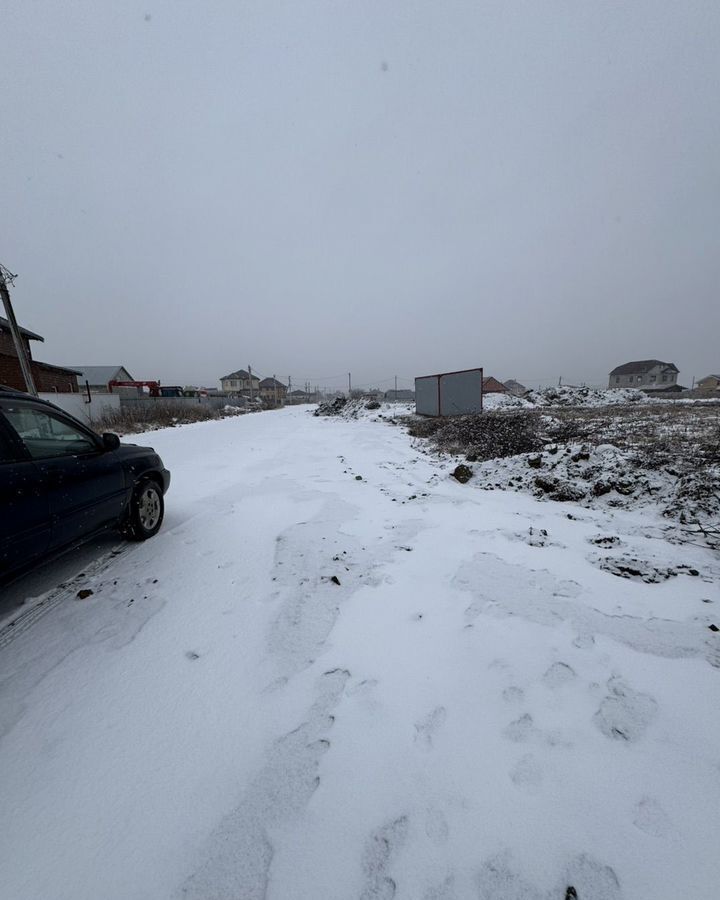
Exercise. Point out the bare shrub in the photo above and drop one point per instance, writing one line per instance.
(423, 427)
(143, 417)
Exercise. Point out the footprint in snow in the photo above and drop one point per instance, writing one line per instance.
(583, 878)
(513, 694)
(427, 727)
(558, 674)
(498, 880)
(527, 774)
(436, 826)
(650, 817)
(521, 729)
(363, 687)
(471, 613)
(591, 879)
(382, 846)
(366, 694)
(625, 714)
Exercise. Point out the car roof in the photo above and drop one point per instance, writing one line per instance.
(14, 392)
(8, 393)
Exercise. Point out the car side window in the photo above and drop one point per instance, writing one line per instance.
(7, 451)
(46, 436)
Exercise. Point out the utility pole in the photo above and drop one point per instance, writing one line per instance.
(289, 393)
(349, 386)
(250, 380)
(275, 387)
(6, 276)
(396, 388)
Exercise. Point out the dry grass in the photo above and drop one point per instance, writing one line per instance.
(134, 419)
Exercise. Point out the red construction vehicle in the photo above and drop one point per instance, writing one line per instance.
(152, 386)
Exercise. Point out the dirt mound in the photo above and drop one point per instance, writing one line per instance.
(331, 407)
(363, 408)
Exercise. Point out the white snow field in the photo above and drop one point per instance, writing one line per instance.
(476, 709)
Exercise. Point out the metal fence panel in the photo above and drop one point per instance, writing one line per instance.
(426, 396)
(79, 406)
(449, 393)
(461, 392)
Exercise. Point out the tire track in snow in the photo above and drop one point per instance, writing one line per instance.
(240, 851)
(308, 555)
(238, 856)
(18, 625)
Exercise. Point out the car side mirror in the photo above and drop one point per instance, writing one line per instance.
(110, 441)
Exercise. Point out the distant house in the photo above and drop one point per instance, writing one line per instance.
(493, 386)
(273, 391)
(514, 387)
(47, 378)
(709, 383)
(99, 377)
(239, 382)
(299, 396)
(400, 395)
(648, 374)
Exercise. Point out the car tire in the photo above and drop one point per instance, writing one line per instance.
(146, 511)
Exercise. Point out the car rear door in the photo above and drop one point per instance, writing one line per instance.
(24, 506)
(85, 483)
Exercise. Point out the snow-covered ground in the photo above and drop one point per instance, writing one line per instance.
(338, 673)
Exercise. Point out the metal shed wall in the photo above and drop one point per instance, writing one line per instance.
(449, 393)
(426, 396)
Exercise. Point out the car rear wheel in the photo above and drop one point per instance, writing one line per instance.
(147, 509)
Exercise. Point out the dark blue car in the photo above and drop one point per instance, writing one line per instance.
(61, 483)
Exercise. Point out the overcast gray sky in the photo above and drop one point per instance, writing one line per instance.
(377, 186)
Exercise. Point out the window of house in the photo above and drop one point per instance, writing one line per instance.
(617, 379)
(653, 378)
(664, 378)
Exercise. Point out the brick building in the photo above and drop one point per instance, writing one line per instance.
(273, 391)
(47, 378)
(493, 386)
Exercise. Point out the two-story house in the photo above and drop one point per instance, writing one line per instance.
(646, 374)
(273, 391)
(240, 382)
(709, 383)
